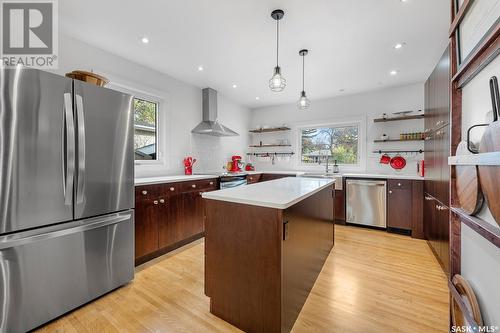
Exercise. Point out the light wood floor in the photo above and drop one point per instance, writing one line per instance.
(372, 282)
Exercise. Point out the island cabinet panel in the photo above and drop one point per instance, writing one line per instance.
(339, 206)
(261, 263)
(168, 216)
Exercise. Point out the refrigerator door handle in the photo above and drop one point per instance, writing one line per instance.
(69, 160)
(10, 241)
(81, 149)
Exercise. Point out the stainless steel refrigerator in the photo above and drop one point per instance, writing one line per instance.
(66, 195)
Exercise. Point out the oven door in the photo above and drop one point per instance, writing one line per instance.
(228, 182)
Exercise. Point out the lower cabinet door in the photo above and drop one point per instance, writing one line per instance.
(146, 227)
(170, 222)
(399, 208)
(192, 214)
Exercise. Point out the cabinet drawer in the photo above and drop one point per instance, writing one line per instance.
(199, 185)
(147, 192)
(394, 184)
(251, 179)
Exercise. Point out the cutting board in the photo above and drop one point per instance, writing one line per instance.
(489, 176)
(469, 190)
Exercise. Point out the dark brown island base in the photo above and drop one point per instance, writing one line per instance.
(265, 245)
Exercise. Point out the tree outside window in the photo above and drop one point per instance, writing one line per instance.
(332, 143)
(145, 131)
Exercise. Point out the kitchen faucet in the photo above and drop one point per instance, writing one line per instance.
(327, 165)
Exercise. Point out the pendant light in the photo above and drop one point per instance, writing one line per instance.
(303, 102)
(277, 82)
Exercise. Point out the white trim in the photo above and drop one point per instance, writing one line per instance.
(359, 121)
(161, 120)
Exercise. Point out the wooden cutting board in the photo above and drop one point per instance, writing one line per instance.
(469, 190)
(489, 176)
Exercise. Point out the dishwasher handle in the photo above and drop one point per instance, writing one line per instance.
(365, 182)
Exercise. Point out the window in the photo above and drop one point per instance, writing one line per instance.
(333, 143)
(145, 129)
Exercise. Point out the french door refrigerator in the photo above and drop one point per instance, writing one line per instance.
(66, 195)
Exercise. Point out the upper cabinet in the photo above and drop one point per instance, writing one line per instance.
(481, 16)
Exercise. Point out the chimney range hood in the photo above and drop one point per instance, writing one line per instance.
(210, 124)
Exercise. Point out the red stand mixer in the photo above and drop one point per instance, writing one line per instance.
(236, 164)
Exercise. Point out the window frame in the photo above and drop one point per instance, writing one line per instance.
(359, 122)
(161, 121)
(157, 128)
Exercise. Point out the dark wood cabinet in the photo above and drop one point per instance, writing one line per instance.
(399, 213)
(437, 149)
(339, 207)
(168, 216)
(273, 176)
(436, 215)
(251, 179)
(146, 227)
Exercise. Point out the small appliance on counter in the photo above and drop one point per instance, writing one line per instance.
(236, 163)
(188, 165)
(249, 167)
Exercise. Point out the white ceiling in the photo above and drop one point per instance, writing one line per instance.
(350, 42)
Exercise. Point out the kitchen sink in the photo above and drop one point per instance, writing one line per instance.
(336, 176)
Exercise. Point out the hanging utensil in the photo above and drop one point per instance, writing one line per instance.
(489, 175)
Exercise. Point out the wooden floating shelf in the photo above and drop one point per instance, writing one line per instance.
(269, 154)
(397, 140)
(266, 130)
(476, 159)
(268, 145)
(383, 120)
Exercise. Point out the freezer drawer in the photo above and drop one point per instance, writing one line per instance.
(47, 272)
(366, 202)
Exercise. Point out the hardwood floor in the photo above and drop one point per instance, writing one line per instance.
(372, 282)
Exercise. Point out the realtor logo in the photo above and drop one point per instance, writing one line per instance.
(29, 33)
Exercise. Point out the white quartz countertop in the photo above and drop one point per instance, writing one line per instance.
(280, 193)
(170, 179)
(381, 175)
(289, 172)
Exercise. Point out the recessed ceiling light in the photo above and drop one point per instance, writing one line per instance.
(394, 72)
(200, 68)
(399, 45)
(145, 40)
(257, 98)
(235, 86)
(403, 0)
(342, 90)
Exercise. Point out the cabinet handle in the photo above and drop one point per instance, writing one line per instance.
(399, 184)
(155, 202)
(250, 178)
(144, 192)
(211, 183)
(162, 200)
(390, 192)
(172, 189)
(193, 186)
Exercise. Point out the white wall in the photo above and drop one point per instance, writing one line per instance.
(364, 107)
(180, 113)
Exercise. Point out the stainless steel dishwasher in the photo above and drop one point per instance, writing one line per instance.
(366, 202)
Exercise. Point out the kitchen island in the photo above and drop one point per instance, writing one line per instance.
(265, 245)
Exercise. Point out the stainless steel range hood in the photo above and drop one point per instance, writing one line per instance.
(209, 124)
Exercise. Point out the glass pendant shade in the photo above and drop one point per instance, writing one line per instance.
(303, 102)
(277, 82)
